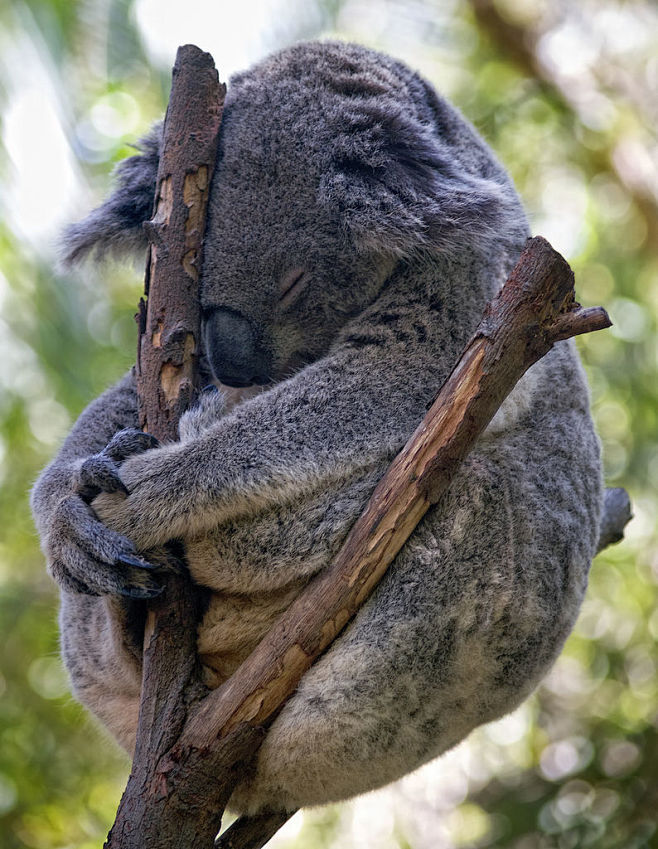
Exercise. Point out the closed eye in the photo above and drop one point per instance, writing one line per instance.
(292, 284)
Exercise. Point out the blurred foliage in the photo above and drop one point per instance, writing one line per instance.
(566, 94)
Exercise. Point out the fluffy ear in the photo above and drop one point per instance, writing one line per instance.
(401, 182)
(116, 226)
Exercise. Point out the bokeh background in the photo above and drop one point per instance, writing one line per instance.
(567, 94)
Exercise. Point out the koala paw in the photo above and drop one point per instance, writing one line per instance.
(100, 472)
(84, 555)
(156, 499)
(210, 407)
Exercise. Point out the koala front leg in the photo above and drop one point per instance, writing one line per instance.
(85, 556)
(113, 411)
(281, 545)
(308, 434)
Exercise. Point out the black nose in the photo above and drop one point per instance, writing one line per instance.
(232, 349)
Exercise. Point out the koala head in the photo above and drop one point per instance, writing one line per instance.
(335, 164)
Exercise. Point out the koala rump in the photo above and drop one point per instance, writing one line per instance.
(357, 227)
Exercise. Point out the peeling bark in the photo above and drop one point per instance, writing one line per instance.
(167, 356)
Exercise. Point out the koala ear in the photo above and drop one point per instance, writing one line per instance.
(400, 184)
(116, 226)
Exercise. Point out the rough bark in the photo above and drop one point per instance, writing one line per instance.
(193, 780)
(169, 339)
(253, 832)
(535, 309)
(168, 350)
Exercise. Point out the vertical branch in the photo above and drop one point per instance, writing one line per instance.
(168, 352)
(169, 342)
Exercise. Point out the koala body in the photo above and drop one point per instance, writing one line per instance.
(357, 228)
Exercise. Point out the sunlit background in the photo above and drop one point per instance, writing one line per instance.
(567, 94)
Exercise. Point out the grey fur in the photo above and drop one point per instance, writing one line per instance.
(115, 228)
(342, 163)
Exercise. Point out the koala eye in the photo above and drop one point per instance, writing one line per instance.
(292, 284)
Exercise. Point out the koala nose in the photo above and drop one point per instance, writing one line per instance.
(232, 349)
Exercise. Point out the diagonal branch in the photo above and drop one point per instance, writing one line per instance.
(533, 310)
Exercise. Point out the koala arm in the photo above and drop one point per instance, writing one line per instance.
(83, 555)
(101, 634)
(308, 434)
(112, 411)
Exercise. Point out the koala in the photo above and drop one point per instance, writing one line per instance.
(357, 227)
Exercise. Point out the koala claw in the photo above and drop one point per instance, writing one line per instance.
(87, 557)
(97, 474)
(100, 472)
(137, 562)
(129, 441)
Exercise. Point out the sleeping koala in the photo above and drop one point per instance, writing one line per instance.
(357, 227)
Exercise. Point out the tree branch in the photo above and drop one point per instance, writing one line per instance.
(168, 350)
(253, 832)
(518, 328)
(192, 748)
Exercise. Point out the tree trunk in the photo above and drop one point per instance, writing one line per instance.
(167, 356)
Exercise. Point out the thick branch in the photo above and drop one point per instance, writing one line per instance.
(533, 310)
(168, 351)
(169, 343)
